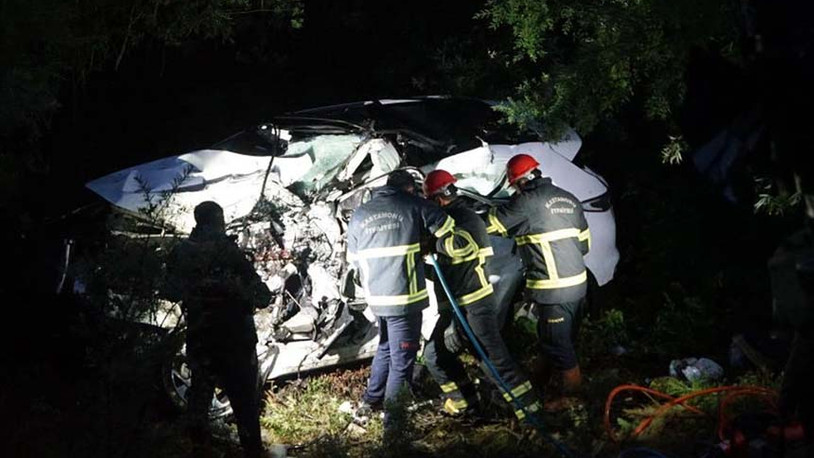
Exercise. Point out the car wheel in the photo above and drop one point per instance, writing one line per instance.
(176, 379)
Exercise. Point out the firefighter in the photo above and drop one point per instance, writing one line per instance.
(552, 236)
(466, 271)
(385, 245)
(219, 290)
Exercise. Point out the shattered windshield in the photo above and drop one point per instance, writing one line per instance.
(484, 181)
(477, 170)
(310, 163)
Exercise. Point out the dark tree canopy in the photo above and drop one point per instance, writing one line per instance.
(580, 62)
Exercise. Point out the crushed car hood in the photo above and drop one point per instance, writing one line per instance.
(235, 180)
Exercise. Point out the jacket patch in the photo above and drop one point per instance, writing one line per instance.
(561, 205)
(555, 320)
(382, 228)
(382, 221)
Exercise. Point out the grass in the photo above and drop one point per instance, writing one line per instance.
(306, 412)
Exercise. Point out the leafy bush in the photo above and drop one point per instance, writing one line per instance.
(577, 63)
(603, 335)
(683, 326)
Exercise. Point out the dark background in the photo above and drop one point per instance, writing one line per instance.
(678, 237)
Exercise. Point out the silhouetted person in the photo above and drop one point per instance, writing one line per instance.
(219, 289)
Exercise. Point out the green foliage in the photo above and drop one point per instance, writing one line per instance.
(672, 152)
(118, 324)
(398, 436)
(123, 273)
(160, 206)
(609, 328)
(599, 335)
(683, 326)
(307, 414)
(577, 63)
(761, 378)
(777, 205)
(773, 201)
(463, 70)
(683, 424)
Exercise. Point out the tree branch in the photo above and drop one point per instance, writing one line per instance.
(259, 10)
(126, 37)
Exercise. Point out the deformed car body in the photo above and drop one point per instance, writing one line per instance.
(288, 187)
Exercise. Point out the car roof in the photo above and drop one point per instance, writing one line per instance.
(441, 118)
(440, 124)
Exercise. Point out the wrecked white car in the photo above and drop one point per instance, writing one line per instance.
(288, 187)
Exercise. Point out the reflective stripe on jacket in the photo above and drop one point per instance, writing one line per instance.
(466, 268)
(384, 242)
(552, 235)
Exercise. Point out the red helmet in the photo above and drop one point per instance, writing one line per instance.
(437, 181)
(519, 166)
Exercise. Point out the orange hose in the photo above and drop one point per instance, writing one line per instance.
(673, 401)
(622, 388)
(665, 407)
(770, 397)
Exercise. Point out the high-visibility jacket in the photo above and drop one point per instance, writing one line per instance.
(466, 268)
(552, 236)
(384, 242)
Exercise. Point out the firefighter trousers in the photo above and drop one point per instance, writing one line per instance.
(392, 367)
(557, 330)
(448, 371)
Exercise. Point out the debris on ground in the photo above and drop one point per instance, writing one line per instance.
(346, 408)
(277, 451)
(354, 431)
(696, 369)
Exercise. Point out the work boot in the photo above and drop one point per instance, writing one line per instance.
(571, 380)
(455, 406)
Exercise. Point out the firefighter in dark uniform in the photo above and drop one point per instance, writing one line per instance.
(552, 236)
(466, 271)
(219, 289)
(385, 244)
